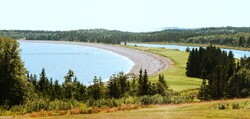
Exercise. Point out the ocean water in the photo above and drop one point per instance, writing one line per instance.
(237, 53)
(86, 62)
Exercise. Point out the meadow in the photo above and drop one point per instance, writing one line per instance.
(190, 110)
(175, 76)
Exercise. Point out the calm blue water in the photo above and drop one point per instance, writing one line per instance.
(237, 53)
(86, 62)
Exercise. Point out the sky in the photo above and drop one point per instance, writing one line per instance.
(124, 15)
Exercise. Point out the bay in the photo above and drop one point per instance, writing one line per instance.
(86, 62)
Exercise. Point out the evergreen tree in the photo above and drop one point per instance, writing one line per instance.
(203, 93)
(68, 85)
(140, 83)
(58, 90)
(97, 90)
(231, 64)
(113, 88)
(145, 84)
(123, 83)
(14, 86)
(162, 86)
(218, 83)
(133, 90)
(43, 83)
(239, 84)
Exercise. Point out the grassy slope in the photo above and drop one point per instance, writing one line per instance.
(192, 110)
(175, 76)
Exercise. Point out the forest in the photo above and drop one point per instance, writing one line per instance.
(226, 77)
(229, 36)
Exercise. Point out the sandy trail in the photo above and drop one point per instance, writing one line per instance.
(142, 60)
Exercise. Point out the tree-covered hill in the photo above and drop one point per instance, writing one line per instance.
(231, 36)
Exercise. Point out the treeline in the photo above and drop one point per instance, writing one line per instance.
(118, 86)
(230, 36)
(226, 78)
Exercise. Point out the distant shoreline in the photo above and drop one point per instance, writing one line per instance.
(142, 60)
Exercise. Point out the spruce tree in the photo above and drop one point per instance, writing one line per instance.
(68, 85)
(162, 86)
(145, 83)
(43, 83)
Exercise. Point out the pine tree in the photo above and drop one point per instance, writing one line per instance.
(140, 83)
(162, 86)
(68, 85)
(123, 83)
(43, 83)
(97, 90)
(113, 88)
(58, 90)
(217, 83)
(231, 64)
(145, 84)
(203, 88)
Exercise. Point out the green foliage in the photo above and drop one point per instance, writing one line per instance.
(143, 83)
(239, 84)
(232, 105)
(43, 84)
(13, 83)
(118, 85)
(230, 36)
(206, 60)
(162, 86)
(217, 67)
(97, 90)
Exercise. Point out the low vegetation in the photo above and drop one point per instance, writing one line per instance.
(189, 110)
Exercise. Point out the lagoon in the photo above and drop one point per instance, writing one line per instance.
(85, 61)
(237, 53)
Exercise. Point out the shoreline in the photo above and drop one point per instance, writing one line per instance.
(153, 63)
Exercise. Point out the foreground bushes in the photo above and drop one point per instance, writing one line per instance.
(234, 105)
(92, 106)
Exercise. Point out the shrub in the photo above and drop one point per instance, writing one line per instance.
(236, 105)
(155, 99)
(222, 106)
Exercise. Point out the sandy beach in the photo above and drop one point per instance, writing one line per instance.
(142, 60)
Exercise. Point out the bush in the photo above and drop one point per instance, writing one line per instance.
(236, 106)
(155, 99)
(222, 106)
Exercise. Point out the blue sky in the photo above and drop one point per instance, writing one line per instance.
(125, 15)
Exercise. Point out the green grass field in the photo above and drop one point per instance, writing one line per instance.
(181, 111)
(175, 76)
